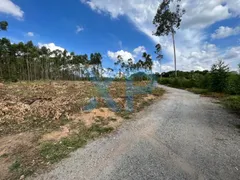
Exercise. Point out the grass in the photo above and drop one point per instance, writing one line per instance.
(15, 166)
(55, 151)
(18, 168)
(158, 91)
(199, 91)
(124, 114)
(232, 103)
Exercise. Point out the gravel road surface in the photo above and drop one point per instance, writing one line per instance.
(182, 136)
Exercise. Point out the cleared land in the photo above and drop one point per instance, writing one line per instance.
(184, 136)
(42, 122)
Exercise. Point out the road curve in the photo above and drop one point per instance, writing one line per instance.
(182, 136)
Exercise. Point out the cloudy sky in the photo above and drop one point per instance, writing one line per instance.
(210, 29)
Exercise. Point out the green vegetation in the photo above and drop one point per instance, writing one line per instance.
(140, 76)
(15, 166)
(3, 25)
(199, 91)
(232, 103)
(55, 151)
(218, 82)
(25, 61)
(29, 62)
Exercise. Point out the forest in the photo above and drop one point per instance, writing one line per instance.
(25, 61)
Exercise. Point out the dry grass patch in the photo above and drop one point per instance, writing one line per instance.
(42, 122)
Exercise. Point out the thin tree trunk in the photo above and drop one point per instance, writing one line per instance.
(28, 73)
(160, 68)
(175, 57)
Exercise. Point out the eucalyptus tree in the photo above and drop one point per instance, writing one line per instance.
(5, 61)
(25, 61)
(159, 57)
(125, 65)
(55, 64)
(83, 63)
(44, 55)
(168, 21)
(28, 52)
(109, 71)
(96, 62)
(148, 63)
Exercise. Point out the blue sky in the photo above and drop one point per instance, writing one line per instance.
(210, 29)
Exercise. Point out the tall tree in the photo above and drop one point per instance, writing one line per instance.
(167, 21)
(96, 62)
(25, 61)
(148, 61)
(159, 57)
(3, 25)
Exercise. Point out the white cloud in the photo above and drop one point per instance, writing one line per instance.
(202, 13)
(137, 53)
(124, 54)
(139, 50)
(232, 57)
(8, 7)
(79, 29)
(234, 6)
(30, 34)
(223, 32)
(51, 46)
(191, 39)
(158, 68)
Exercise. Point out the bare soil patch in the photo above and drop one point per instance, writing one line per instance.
(42, 122)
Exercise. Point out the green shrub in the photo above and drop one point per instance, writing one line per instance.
(178, 82)
(164, 81)
(233, 84)
(199, 91)
(140, 76)
(219, 76)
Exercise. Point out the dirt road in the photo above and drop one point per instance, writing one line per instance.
(183, 136)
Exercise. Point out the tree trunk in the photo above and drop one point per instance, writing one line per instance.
(175, 57)
(28, 73)
(160, 61)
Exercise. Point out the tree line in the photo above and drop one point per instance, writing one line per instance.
(130, 67)
(25, 61)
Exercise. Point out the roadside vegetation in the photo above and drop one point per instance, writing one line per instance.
(218, 83)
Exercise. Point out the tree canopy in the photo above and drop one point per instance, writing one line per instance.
(129, 66)
(3, 25)
(25, 61)
(166, 20)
